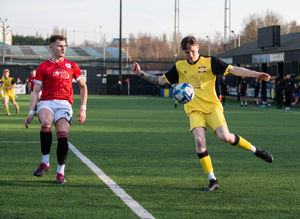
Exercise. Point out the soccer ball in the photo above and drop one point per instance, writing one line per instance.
(183, 93)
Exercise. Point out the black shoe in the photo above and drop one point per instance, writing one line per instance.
(213, 185)
(41, 170)
(265, 155)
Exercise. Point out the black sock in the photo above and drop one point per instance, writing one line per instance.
(62, 150)
(46, 142)
(202, 154)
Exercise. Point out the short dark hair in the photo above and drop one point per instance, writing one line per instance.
(53, 38)
(187, 42)
(31, 69)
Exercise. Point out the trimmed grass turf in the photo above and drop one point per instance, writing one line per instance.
(145, 146)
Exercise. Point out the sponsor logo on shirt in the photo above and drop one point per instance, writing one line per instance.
(61, 73)
(202, 69)
(68, 65)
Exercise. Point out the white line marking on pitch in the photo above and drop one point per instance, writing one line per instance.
(127, 199)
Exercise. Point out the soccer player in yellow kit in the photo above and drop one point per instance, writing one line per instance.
(205, 108)
(8, 91)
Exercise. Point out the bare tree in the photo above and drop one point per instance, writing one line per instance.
(144, 46)
(57, 31)
(293, 27)
(255, 21)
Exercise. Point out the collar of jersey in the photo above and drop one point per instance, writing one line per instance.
(193, 62)
(56, 62)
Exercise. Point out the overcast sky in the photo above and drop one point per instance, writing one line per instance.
(85, 20)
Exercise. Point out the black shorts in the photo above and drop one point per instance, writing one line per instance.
(243, 93)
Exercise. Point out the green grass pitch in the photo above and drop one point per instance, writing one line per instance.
(144, 145)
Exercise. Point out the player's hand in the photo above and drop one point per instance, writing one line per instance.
(81, 116)
(264, 76)
(28, 120)
(136, 68)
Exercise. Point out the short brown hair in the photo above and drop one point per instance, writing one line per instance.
(5, 70)
(187, 42)
(53, 38)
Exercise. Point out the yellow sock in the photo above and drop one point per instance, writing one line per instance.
(17, 106)
(206, 164)
(7, 110)
(243, 143)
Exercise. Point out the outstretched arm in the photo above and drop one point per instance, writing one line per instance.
(159, 80)
(240, 71)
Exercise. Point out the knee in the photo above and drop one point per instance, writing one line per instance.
(225, 137)
(46, 122)
(200, 143)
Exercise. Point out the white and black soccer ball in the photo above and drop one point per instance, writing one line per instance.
(183, 93)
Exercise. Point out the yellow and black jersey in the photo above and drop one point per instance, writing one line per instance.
(202, 76)
(7, 82)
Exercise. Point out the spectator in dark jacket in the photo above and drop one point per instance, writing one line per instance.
(288, 90)
(256, 85)
(279, 86)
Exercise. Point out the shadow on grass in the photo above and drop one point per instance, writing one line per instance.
(52, 183)
(44, 183)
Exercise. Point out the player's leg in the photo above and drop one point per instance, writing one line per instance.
(224, 135)
(62, 130)
(46, 120)
(288, 100)
(13, 100)
(245, 99)
(197, 125)
(242, 99)
(256, 97)
(5, 103)
(280, 99)
(62, 118)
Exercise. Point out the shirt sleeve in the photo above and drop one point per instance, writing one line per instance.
(77, 72)
(218, 66)
(172, 75)
(38, 79)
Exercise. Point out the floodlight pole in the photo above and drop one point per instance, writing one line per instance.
(227, 23)
(103, 50)
(4, 28)
(209, 42)
(120, 44)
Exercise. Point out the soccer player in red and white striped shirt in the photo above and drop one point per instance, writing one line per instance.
(55, 107)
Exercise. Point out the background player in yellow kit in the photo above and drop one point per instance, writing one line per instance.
(8, 91)
(205, 108)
